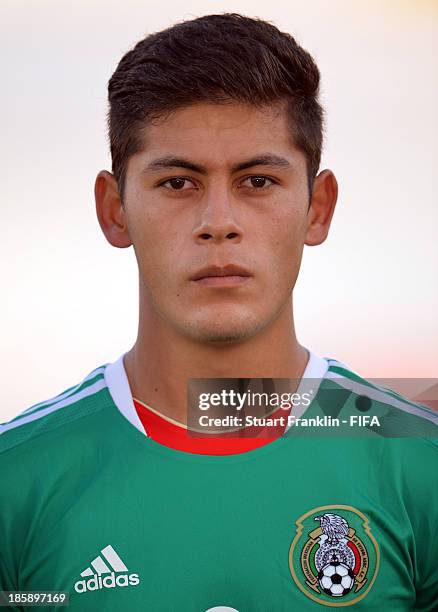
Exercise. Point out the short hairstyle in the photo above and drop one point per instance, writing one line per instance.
(219, 58)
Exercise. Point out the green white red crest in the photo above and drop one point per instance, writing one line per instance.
(334, 557)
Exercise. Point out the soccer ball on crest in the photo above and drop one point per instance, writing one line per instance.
(336, 579)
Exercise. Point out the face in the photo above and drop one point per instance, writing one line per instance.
(217, 186)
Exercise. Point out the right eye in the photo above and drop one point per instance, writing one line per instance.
(176, 183)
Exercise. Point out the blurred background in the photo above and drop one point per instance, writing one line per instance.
(367, 297)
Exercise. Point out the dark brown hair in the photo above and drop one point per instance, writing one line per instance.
(214, 58)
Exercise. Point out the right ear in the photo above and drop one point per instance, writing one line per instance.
(110, 211)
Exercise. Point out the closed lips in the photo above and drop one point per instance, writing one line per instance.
(228, 270)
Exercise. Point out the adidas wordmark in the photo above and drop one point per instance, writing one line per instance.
(110, 564)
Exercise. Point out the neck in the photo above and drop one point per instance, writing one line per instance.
(162, 360)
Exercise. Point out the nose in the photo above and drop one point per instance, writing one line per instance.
(217, 220)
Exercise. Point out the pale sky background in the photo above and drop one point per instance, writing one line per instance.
(368, 296)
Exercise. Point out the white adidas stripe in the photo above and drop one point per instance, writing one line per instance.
(381, 396)
(340, 364)
(94, 388)
(114, 559)
(101, 567)
(65, 394)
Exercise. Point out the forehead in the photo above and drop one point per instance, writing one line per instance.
(220, 132)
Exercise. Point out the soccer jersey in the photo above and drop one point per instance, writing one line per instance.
(93, 507)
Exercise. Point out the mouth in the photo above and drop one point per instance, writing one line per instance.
(221, 276)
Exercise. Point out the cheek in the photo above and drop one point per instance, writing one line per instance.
(154, 223)
(158, 250)
(284, 234)
(284, 247)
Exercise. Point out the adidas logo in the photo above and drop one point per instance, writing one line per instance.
(110, 564)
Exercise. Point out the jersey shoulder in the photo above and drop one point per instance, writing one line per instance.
(67, 409)
(401, 416)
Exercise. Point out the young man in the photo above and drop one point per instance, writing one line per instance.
(216, 135)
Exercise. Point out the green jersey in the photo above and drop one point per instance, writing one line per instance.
(93, 507)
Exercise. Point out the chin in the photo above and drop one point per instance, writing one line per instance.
(221, 337)
(222, 332)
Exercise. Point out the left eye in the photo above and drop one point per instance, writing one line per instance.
(258, 182)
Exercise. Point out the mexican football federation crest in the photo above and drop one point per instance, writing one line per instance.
(334, 557)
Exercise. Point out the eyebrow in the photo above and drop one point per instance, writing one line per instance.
(171, 161)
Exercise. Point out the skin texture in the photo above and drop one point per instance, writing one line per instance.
(259, 218)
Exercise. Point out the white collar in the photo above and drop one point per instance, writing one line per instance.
(118, 386)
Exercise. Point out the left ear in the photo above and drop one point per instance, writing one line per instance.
(322, 207)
